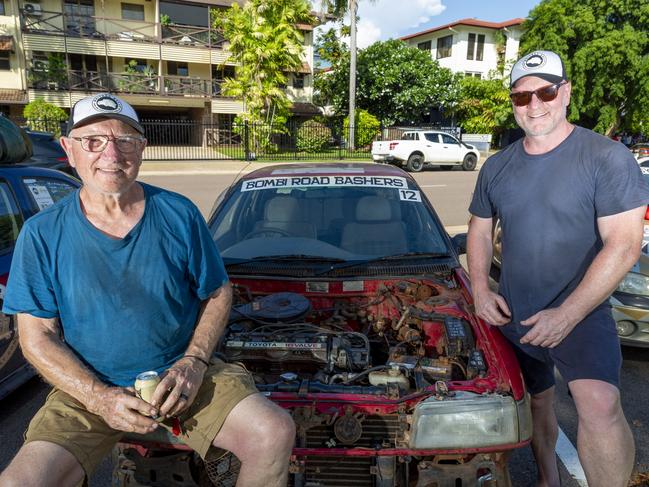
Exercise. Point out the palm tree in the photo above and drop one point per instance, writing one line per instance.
(339, 8)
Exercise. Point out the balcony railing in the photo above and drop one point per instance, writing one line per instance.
(104, 28)
(135, 83)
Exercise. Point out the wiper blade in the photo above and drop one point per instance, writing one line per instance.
(356, 263)
(284, 258)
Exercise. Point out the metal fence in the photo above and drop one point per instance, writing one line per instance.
(169, 139)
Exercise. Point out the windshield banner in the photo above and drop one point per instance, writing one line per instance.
(395, 182)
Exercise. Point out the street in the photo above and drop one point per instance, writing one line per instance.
(450, 193)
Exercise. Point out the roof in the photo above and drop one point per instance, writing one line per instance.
(327, 168)
(469, 22)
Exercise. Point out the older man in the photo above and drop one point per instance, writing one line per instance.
(571, 205)
(117, 279)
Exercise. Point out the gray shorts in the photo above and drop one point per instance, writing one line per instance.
(590, 351)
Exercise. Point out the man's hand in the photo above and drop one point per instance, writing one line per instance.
(549, 328)
(181, 381)
(492, 307)
(124, 411)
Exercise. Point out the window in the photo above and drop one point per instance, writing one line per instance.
(472, 74)
(434, 138)
(472, 52)
(10, 218)
(298, 81)
(47, 191)
(132, 11)
(424, 46)
(444, 47)
(177, 69)
(447, 139)
(5, 65)
(2, 8)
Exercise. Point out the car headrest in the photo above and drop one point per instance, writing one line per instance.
(373, 209)
(282, 209)
(14, 144)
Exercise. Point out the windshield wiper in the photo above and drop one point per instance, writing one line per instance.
(286, 257)
(405, 255)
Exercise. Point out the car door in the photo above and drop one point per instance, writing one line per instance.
(432, 147)
(451, 151)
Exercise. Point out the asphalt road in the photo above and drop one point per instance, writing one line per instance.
(450, 193)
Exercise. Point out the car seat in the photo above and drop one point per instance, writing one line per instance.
(285, 213)
(375, 231)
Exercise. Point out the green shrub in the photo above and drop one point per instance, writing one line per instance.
(44, 116)
(366, 128)
(313, 136)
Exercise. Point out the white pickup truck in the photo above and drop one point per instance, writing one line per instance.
(419, 148)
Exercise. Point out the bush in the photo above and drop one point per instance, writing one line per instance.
(44, 116)
(366, 128)
(313, 136)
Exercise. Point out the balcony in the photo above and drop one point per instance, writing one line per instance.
(124, 83)
(62, 24)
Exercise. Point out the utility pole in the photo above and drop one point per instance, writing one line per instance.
(353, 7)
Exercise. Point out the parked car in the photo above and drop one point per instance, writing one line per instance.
(47, 152)
(353, 313)
(420, 148)
(640, 151)
(23, 192)
(630, 300)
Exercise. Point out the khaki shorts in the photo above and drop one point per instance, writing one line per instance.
(64, 421)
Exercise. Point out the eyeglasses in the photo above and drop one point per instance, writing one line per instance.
(97, 143)
(547, 93)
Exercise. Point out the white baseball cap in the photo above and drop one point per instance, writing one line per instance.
(103, 105)
(544, 64)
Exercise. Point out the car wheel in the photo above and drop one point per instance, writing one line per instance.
(415, 163)
(470, 162)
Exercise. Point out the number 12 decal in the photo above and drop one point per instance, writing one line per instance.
(409, 195)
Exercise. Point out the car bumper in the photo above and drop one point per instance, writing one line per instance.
(631, 314)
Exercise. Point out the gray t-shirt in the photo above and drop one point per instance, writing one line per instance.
(548, 207)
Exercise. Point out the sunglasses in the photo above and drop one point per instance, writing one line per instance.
(547, 93)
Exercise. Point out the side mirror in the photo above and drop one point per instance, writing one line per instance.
(15, 146)
(459, 241)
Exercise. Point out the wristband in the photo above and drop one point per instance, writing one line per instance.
(200, 359)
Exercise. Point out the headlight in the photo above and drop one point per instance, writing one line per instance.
(634, 283)
(469, 420)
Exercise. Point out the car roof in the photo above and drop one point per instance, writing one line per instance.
(21, 170)
(328, 168)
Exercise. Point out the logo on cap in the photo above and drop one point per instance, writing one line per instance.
(534, 61)
(106, 103)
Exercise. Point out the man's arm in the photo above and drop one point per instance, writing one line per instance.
(488, 305)
(184, 378)
(41, 343)
(622, 238)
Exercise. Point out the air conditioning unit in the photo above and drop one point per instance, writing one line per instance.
(40, 65)
(33, 9)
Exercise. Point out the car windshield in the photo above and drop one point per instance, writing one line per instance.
(337, 223)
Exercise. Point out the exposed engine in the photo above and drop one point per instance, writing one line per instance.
(396, 337)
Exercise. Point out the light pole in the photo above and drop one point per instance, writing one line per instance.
(353, 7)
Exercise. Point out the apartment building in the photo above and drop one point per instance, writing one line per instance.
(162, 56)
(471, 46)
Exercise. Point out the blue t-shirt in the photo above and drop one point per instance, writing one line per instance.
(125, 305)
(548, 206)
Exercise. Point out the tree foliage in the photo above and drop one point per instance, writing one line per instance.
(605, 47)
(484, 106)
(395, 82)
(313, 136)
(366, 125)
(266, 44)
(44, 116)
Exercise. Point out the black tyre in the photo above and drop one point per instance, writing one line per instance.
(415, 163)
(470, 162)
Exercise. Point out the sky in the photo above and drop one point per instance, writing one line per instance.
(384, 19)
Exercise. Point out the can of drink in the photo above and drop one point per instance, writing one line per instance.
(145, 384)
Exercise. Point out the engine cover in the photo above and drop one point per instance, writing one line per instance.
(324, 351)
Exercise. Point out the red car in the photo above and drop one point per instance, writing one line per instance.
(352, 311)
